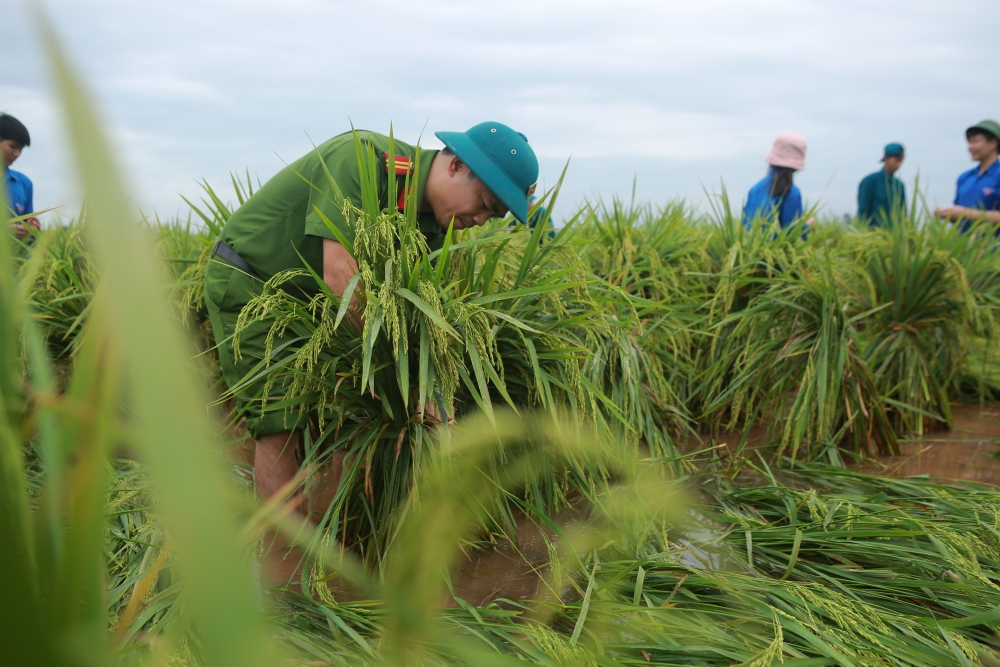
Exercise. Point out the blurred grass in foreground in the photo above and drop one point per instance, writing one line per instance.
(133, 348)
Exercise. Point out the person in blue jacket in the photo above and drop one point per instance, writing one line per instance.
(20, 192)
(977, 195)
(775, 197)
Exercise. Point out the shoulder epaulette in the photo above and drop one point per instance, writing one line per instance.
(403, 165)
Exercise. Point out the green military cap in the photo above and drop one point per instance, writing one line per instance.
(893, 150)
(502, 159)
(991, 127)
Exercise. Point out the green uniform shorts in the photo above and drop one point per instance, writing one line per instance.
(227, 291)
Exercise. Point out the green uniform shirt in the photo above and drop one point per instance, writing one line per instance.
(878, 194)
(278, 220)
(281, 218)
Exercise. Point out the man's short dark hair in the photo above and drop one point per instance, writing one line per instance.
(12, 128)
(985, 133)
(448, 152)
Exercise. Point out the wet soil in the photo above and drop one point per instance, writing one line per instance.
(511, 570)
(517, 572)
(966, 453)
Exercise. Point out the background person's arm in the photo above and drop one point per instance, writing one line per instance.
(792, 208)
(956, 213)
(32, 222)
(20, 229)
(951, 213)
(866, 193)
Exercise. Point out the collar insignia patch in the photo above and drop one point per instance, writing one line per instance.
(404, 165)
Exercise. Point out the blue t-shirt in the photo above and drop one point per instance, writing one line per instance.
(20, 193)
(761, 204)
(981, 192)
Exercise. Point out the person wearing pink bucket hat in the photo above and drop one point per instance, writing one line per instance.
(775, 197)
(789, 150)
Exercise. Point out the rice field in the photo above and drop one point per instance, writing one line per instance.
(590, 378)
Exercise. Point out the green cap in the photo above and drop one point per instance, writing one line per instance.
(893, 150)
(991, 127)
(502, 159)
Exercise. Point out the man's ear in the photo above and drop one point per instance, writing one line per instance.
(455, 166)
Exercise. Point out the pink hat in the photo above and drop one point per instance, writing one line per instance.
(789, 150)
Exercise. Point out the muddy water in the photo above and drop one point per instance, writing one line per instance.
(512, 570)
(517, 571)
(965, 453)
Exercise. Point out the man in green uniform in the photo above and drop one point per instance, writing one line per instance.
(882, 193)
(481, 174)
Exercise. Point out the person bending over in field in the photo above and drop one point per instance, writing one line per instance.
(977, 195)
(775, 197)
(481, 174)
(20, 191)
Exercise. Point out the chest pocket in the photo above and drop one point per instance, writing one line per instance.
(991, 198)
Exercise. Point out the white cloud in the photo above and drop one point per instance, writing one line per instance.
(688, 91)
(164, 85)
(603, 129)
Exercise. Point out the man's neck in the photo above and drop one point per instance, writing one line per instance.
(987, 163)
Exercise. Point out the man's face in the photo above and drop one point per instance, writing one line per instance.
(10, 150)
(981, 147)
(465, 198)
(893, 163)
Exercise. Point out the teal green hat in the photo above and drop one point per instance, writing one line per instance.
(893, 150)
(502, 159)
(991, 127)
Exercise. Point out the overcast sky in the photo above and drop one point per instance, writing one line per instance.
(678, 95)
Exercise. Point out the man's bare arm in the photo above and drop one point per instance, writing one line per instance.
(338, 269)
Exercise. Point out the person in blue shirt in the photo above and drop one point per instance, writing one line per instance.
(776, 197)
(881, 193)
(977, 195)
(20, 192)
